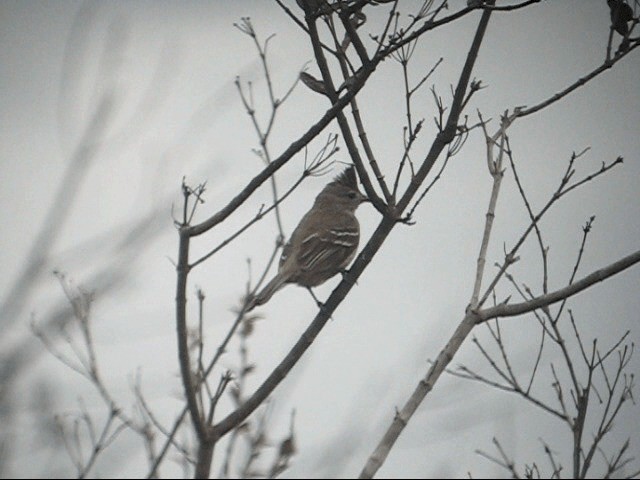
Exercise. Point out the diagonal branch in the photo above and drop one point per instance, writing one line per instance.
(506, 310)
(577, 84)
(284, 157)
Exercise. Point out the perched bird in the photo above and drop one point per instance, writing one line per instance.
(313, 83)
(621, 15)
(324, 242)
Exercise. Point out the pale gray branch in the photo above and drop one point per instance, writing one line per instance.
(506, 310)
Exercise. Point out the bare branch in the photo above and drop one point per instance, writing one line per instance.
(515, 309)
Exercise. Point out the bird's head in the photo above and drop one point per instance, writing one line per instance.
(343, 191)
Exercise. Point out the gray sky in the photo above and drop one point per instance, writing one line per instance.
(176, 112)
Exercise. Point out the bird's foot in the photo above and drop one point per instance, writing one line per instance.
(315, 299)
(318, 302)
(344, 272)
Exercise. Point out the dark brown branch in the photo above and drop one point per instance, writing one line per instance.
(301, 24)
(354, 37)
(309, 171)
(182, 335)
(342, 121)
(343, 60)
(277, 163)
(305, 341)
(577, 84)
(508, 8)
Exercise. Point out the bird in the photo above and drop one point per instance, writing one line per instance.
(313, 83)
(621, 15)
(324, 242)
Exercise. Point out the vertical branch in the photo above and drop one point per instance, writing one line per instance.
(205, 456)
(496, 171)
(355, 111)
(342, 121)
(426, 384)
(182, 334)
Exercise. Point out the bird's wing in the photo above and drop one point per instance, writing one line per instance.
(331, 248)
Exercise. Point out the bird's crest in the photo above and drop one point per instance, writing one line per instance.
(347, 178)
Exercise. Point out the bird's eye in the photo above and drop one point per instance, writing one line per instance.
(352, 195)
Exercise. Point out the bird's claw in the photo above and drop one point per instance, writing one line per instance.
(344, 272)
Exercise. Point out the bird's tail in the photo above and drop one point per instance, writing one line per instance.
(267, 292)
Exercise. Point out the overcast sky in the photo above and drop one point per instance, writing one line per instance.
(170, 68)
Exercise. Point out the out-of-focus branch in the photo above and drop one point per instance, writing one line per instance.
(55, 218)
(86, 364)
